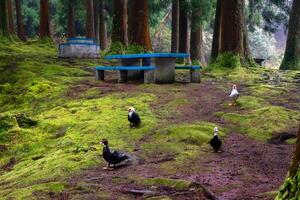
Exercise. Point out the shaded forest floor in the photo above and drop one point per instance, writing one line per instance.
(53, 115)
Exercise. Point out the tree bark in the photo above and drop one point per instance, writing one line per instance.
(102, 26)
(291, 59)
(20, 23)
(296, 158)
(183, 28)
(232, 27)
(175, 26)
(216, 35)
(119, 32)
(3, 18)
(196, 41)
(71, 21)
(89, 26)
(138, 24)
(96, 20)
(44, 19)
(10, 16)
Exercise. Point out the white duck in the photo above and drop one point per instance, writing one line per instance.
(234, 95)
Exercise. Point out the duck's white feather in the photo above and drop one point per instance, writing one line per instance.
(234, 94)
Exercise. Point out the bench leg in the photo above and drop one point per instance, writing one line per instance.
(195, 76)
(122, 76)
(149, 76)
(100, 75)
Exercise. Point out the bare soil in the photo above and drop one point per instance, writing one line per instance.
(244, 170)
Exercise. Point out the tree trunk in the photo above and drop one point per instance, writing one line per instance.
(216, 36)
(291, 59)
(44, 19)
(232, 27)
(96, 20)
(196, 41)
(296, 158)
(3, 18)
(71, 21)
(138, 24)
(175, 26)
(119, 32)
(10, 16)
(89, 26)
(20, 24)
(183, 28)
(102, 26)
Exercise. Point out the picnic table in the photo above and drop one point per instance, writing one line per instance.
(164, 64)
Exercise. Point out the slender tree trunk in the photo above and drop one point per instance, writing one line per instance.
(232, 25)
(3, 18)
(175, 26)
(71, 21)
(44, 19)
(10, 15)
(103, 29)
(183, 28)
(291, 59)
(20, 24)
(216, 36)
(138, 24)
(196, 41)
(96, 20)
(89, 26)
(119, 32)
(296, 158)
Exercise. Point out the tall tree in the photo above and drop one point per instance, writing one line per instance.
(216, 34)
(20, 24)
(89, 26)
(291, 189)
(232, 27)
(102, 26)
(71, 21)
(10, 15)
(183, 27)
(96, 21)
(44, 19)
(119, 31)
(291, 59)
(138, 24)
(3, 18)
(175, 26)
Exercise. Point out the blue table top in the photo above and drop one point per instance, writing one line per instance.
(148, 55)
(69, 39)
(125, 67)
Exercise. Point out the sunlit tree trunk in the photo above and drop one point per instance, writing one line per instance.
(175, 26)
(119, 32)
(44, 19)
(196, 41)
(71, 22)
(89, 26)
(291, 59)
(20, 24)
(183, 28)
(232, 27)
(3, 18)
(216, 35)
(138, 24)
(10, 16)
(102, 26)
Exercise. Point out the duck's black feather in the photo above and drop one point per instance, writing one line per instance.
(113, 157)
(134, 119)
(216, 143)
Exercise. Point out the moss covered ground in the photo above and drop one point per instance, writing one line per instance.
(50, 125)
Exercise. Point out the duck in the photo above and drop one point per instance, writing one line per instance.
(112, 157)
(133, 118)
(215, 142)
(234, 95)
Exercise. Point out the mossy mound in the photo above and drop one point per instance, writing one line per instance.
(173, 183)
(261, 123)
(290, 190)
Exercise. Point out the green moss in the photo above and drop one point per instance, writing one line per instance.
(173, 183)
(261, 123)
(249, 103)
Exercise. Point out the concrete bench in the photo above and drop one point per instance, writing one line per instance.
(123, 72)
(194, 72)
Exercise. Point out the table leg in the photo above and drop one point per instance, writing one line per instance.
(195, 76)
(165, 70)
(149, 76)
(123, 76)
(134, 74)
(100, 75)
